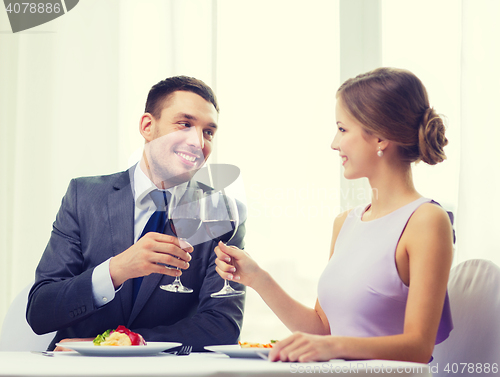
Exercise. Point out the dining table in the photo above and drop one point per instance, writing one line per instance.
(196, 364)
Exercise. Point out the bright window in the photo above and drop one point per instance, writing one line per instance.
(277, 76)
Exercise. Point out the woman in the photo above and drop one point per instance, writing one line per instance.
(382, 293)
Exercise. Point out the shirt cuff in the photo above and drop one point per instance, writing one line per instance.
(102, 286)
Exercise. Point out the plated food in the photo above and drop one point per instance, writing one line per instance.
(257, 345)
(88, 348)
(235, 350)
(121, 336)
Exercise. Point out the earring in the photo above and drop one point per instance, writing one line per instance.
(380, 152)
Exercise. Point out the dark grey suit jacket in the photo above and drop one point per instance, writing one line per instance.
(96, 222)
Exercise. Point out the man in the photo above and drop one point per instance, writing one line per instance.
(96, 256)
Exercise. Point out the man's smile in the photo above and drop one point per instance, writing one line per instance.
(188, 158)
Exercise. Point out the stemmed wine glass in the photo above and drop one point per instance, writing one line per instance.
(184, 219)
(220, 219)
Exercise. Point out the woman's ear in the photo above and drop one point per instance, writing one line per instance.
(146, 126)
(382, 144)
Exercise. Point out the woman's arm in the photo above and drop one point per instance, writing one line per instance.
(428, 241)
(295, 316)
(292, 313)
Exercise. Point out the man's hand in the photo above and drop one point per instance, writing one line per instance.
(149, 255)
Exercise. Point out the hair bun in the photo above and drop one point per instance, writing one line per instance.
(431, 138)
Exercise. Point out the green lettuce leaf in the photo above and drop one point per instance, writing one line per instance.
(101, 338)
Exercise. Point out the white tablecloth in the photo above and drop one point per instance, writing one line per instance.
(195, 365)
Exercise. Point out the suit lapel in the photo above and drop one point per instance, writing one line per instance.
(149, 284)
(121, 218)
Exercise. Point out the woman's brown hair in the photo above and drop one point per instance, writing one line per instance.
(393, 104)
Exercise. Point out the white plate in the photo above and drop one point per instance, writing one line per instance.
(234, 350)
(88, 348)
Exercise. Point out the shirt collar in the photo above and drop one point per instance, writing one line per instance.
(143, 186)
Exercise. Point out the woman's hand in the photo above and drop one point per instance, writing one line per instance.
(304, 347)
(236, 265)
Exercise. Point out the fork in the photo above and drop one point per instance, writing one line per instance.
(183, 351)
(44, 353)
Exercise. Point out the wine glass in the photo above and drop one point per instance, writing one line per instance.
(220, 219)
(184, 219)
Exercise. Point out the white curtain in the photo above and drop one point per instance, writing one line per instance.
(71, 95)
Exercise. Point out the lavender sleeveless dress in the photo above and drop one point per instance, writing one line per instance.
(360, 289)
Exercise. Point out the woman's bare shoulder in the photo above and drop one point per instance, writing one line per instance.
(339, 220)
(428, 215)
(429, 225)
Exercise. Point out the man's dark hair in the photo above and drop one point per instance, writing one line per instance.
(160, 92)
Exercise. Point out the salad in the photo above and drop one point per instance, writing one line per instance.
(119, 337)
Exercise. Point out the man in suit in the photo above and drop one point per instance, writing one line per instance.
(85, 279)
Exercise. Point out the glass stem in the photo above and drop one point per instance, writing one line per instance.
(177, 279)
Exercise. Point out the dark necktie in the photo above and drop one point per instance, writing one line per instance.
(156, 223)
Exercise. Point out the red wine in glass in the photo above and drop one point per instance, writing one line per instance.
(220, 219)
(184, 219)
(220, 230)
(184, 227)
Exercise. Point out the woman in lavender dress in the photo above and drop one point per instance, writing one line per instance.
(383, 293)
